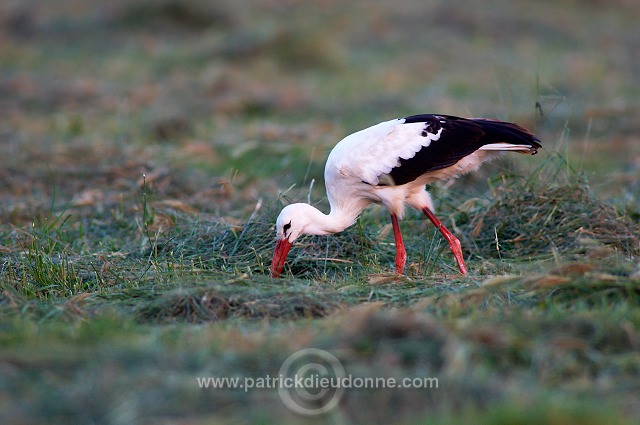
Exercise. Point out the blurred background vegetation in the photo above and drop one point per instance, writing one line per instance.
(200, 89)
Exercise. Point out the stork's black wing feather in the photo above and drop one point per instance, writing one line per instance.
(460, 137)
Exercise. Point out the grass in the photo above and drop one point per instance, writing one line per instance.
(149, 146)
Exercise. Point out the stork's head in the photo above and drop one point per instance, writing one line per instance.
(294, 220)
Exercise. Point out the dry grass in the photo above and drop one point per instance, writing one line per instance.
(529, 218)
(211, 304)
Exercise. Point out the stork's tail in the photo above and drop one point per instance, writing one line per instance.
(528, 149)
(506, 136)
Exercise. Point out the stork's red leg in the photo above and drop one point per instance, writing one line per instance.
(454, 243)
(401, 253)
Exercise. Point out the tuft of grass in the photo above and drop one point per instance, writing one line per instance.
(46, 268)
(534, 217)
(211, 303)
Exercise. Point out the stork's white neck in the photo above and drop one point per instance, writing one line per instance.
(336, 221)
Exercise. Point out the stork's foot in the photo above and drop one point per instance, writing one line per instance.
(454, 243)
(401, 259)
(456, 249)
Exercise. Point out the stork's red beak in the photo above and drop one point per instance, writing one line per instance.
(279, 256)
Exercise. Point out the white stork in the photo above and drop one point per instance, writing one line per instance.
(390, 164)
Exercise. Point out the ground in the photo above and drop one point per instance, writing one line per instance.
(148, 146)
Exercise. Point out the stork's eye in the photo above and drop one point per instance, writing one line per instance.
(286, 227)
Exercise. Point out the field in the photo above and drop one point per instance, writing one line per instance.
(148, 146)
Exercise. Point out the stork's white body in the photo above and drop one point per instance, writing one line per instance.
(390, 163)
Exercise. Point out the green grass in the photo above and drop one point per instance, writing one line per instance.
(148, 147)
